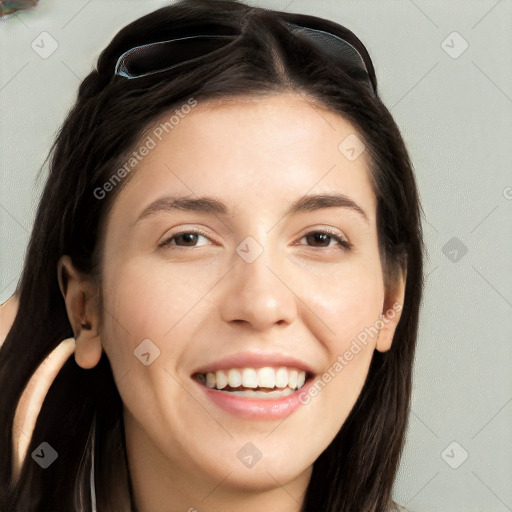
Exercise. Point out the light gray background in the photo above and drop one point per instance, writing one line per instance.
(455, 115)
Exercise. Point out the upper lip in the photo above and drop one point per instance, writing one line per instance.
(254, 360)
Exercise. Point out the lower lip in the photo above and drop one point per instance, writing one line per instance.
(256, 408)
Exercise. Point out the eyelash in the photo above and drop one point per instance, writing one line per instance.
(345, 245)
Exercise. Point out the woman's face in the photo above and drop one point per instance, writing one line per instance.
(242, 287)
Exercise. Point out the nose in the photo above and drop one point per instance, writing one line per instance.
(258, 295)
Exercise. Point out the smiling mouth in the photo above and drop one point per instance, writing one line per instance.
(267, 382)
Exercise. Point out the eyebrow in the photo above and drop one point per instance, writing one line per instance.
(307, 203)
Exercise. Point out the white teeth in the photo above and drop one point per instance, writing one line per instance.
(301, 378)
(249, 378)
(210, 380)
(221, 379)
(282, 378)
(266, 377)
(234, 378)
(264, 394)
(292, 379)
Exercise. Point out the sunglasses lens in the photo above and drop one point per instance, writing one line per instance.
(156, 57)
(162, 56)
(338, 52)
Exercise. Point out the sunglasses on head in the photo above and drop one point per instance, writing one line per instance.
(152, 58)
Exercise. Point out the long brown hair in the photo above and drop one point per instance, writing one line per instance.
(81, 416)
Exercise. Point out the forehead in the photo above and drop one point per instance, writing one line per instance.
(251, 151)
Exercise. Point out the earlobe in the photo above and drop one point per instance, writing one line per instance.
(391, 313)
(88, 350)
(81, 306)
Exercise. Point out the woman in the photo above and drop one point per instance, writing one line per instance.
(266, 367)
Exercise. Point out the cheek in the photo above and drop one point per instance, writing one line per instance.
(348, 305)
(145, 308)
(150, 301)
(347, 301)
(148, 298)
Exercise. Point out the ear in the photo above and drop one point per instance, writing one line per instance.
(391, 313)
(80, 296)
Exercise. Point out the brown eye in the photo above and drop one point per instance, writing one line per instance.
(183, 239)
(189, 239)
(324, 238)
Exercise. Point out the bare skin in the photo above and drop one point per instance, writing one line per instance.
(200, 303)
(33, 396)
